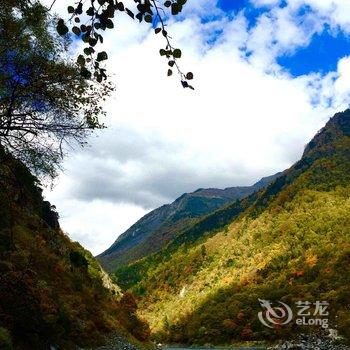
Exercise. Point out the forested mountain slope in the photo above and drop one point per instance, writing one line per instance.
(52, 291)
(160, 226)
(289, 242)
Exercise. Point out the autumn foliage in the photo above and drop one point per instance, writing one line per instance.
(289, 242)
(51, 289)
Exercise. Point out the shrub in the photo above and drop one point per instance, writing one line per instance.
(5, 339)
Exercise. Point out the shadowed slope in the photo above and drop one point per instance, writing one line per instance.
(290, 242)
(52, 291)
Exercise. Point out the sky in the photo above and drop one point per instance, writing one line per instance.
(268, 75)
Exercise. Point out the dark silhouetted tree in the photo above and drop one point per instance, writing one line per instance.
(45, 102)
(90, 19)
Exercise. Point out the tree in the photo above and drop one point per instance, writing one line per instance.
(45, 101)
(48, 101)
(100, 15)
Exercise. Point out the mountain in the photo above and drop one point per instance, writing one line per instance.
(53, 293)
(157, 228)
(289, 242)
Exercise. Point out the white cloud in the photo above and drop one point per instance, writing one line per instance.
(342, 83)
(335, 12)
(95, 223)
(246, 119)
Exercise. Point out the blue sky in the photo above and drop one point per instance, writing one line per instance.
(322, 53)
(229, 5)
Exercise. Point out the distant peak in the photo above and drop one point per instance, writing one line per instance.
(342, 121)
(337, 126)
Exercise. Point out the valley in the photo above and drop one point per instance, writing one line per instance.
(144, 127)
(287, 242)
(221, 257)
(152, 232)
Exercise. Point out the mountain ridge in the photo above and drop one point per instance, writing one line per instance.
(288, 242)
(154, 230)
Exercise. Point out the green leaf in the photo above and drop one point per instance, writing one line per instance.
(85, 38)
(109, 24)
(158, 30)
(177, 53)
(130, 13)
(76, 31)
(171, 63)
(189, 76)
(81, 60)
(92, 41)
(181, 2)
(101, 56)
(90, 11)
(148, 18)
(175, 9)
(120, 6)
(61, 28)
(170, 72)
(79, 9)
(162, 52)
(167, 3)
(109, 12)
(139, 16)
(70, 9)
(184, 83)
(89, 50)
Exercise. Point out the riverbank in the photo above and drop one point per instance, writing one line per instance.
(217, 348)
(303, 342)
(116, 342)
(238, 346)
(312, 342)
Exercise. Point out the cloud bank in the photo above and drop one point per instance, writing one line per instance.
(247, 118)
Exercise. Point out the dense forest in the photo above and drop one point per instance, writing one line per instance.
(289, 242)
(52, 291)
